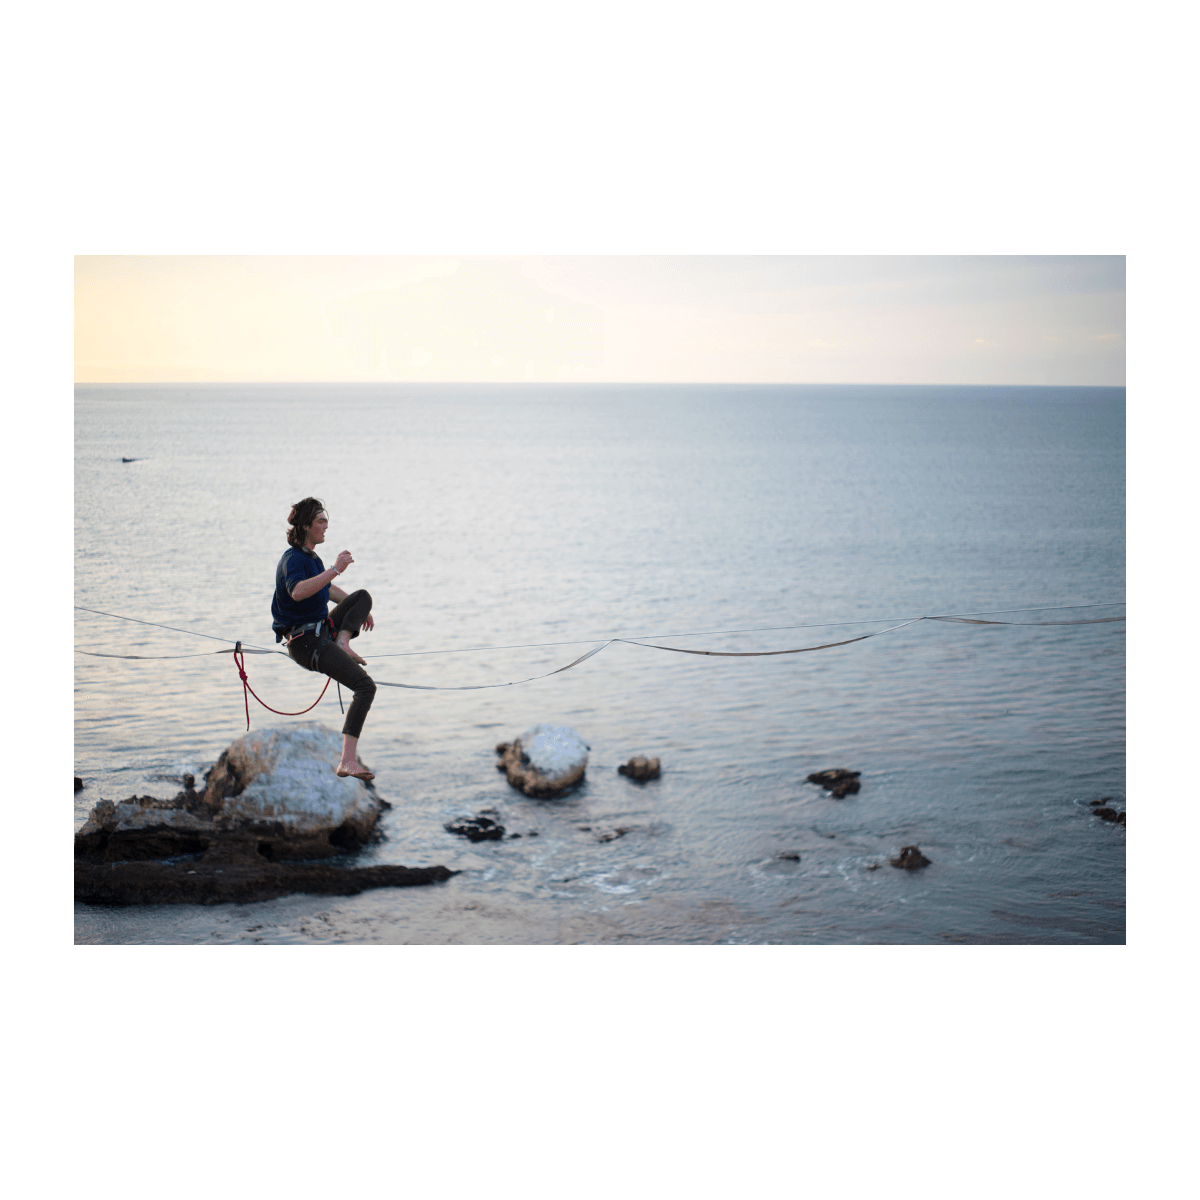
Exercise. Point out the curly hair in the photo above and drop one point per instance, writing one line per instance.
(304, 513)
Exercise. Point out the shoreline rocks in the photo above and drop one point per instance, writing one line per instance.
(270, 802)
(272, 794)
(545, 761)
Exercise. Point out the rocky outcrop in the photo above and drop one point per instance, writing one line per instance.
(129, 883)
(640, 769)
(544, 761)
(910, 858)
(838, 781)
(272, 795)
(272, 798)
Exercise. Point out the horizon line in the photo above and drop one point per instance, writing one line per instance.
(582, 382)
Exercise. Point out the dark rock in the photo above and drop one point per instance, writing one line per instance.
(639, 768)
(1121, 818)
(78, 784)
(187, 882)
(483, 827)
(790, 857)
(545, 761)
(129, 459)
(910, 858)
(838, 781)
(1106, 814)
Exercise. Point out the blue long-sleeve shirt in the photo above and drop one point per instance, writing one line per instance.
(293, 567)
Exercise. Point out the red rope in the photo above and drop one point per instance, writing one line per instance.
(239, 661)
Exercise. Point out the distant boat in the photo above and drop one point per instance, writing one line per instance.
(129, 460)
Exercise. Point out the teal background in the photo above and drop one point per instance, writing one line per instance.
(546, 129)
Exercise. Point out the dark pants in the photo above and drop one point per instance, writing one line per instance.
(349, 615)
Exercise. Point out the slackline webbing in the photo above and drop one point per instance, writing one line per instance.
(240, 649)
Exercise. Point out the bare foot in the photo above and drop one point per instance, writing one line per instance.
(343, 641)
(355, 770)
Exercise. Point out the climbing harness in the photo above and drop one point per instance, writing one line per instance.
(327, 635)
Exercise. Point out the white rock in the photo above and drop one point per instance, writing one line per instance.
(289, 777)
(545, 760)
(554, 749)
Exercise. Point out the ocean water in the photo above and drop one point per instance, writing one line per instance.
(523, 515)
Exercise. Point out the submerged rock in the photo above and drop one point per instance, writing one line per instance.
(640, 769)
(910, 859)
(838, 781)
(546, 760)
(611, 834)
(78, 784)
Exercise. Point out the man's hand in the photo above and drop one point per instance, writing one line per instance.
(368, 622)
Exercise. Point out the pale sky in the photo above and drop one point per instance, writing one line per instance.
(803, 319)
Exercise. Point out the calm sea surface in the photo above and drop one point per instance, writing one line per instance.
(500, 515)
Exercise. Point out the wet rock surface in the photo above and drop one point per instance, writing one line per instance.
(838, 781)
(271, 801)
(78, 784)
(910, 858)
(484, 826)
(640, 768)
(187, 882)
(1102, 809)
(545, 761)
